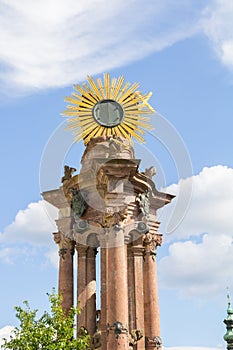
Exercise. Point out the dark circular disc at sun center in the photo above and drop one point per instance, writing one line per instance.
(108, 113)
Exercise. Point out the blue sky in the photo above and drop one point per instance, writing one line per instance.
(182, 51)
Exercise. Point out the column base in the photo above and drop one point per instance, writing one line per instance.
(117, 336)
(96, 341)
(135, 336)
(154, 343)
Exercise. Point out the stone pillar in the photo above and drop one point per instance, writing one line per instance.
(104, 278)
(151, 300)
(81, 286)
(91, 290)
(131, 289)
(111, 193)
(65, 281)
(137, 251)
(117, 293)
(86, 294)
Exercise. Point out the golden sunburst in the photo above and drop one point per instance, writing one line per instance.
(108, 107)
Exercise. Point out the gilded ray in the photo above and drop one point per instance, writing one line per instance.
(107, 85)
(92, 134)
(133, 126)
(80, 89)
(87, 131)
(132, 102)
(90, 95)
(107, 107)
(101, 88)
(122, 92)
(119, 83)
(101, 131)
(94, 87)
(112, 87)
(122, 130)
(128, 94)
(139, 118)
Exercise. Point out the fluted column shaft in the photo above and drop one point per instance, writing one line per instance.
(151, 299)
(131, 290)
(137, 252)
(66, 273)
(81, 286)
(91, 290)
(117, 293)
(86, 291)
(103, 319)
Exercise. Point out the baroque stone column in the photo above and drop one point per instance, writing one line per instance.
(65, 281)
(136, 295)
(104, 279)
(86, 291)
(91, 290)
(131, 288)
(117, 292)
(111, 198)
(81, 286)
(151, 299)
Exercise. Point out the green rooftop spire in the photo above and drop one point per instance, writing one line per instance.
(228, 337)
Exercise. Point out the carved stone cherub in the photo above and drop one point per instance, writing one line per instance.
(78, 203)
(150, 172)
(96, 340)
(134, 336)
(144, 204)
(57, 237)
(68, 172)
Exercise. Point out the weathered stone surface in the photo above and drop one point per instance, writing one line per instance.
(117, 215)
(65, 284)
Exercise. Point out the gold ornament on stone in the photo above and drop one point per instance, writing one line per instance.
(108, 108)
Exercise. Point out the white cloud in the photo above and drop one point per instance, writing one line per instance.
(198, 269)
(210, 209)
(218, 26)
(54, 43)
(31, 230)
(33, 225)
(201, 263)
(52, 256)
(9, 254)
(5, 333)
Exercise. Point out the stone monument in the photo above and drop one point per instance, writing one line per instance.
(109, 208)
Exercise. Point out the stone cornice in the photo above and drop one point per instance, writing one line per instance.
(56, 198)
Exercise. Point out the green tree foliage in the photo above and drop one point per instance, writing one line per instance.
(52, 331)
